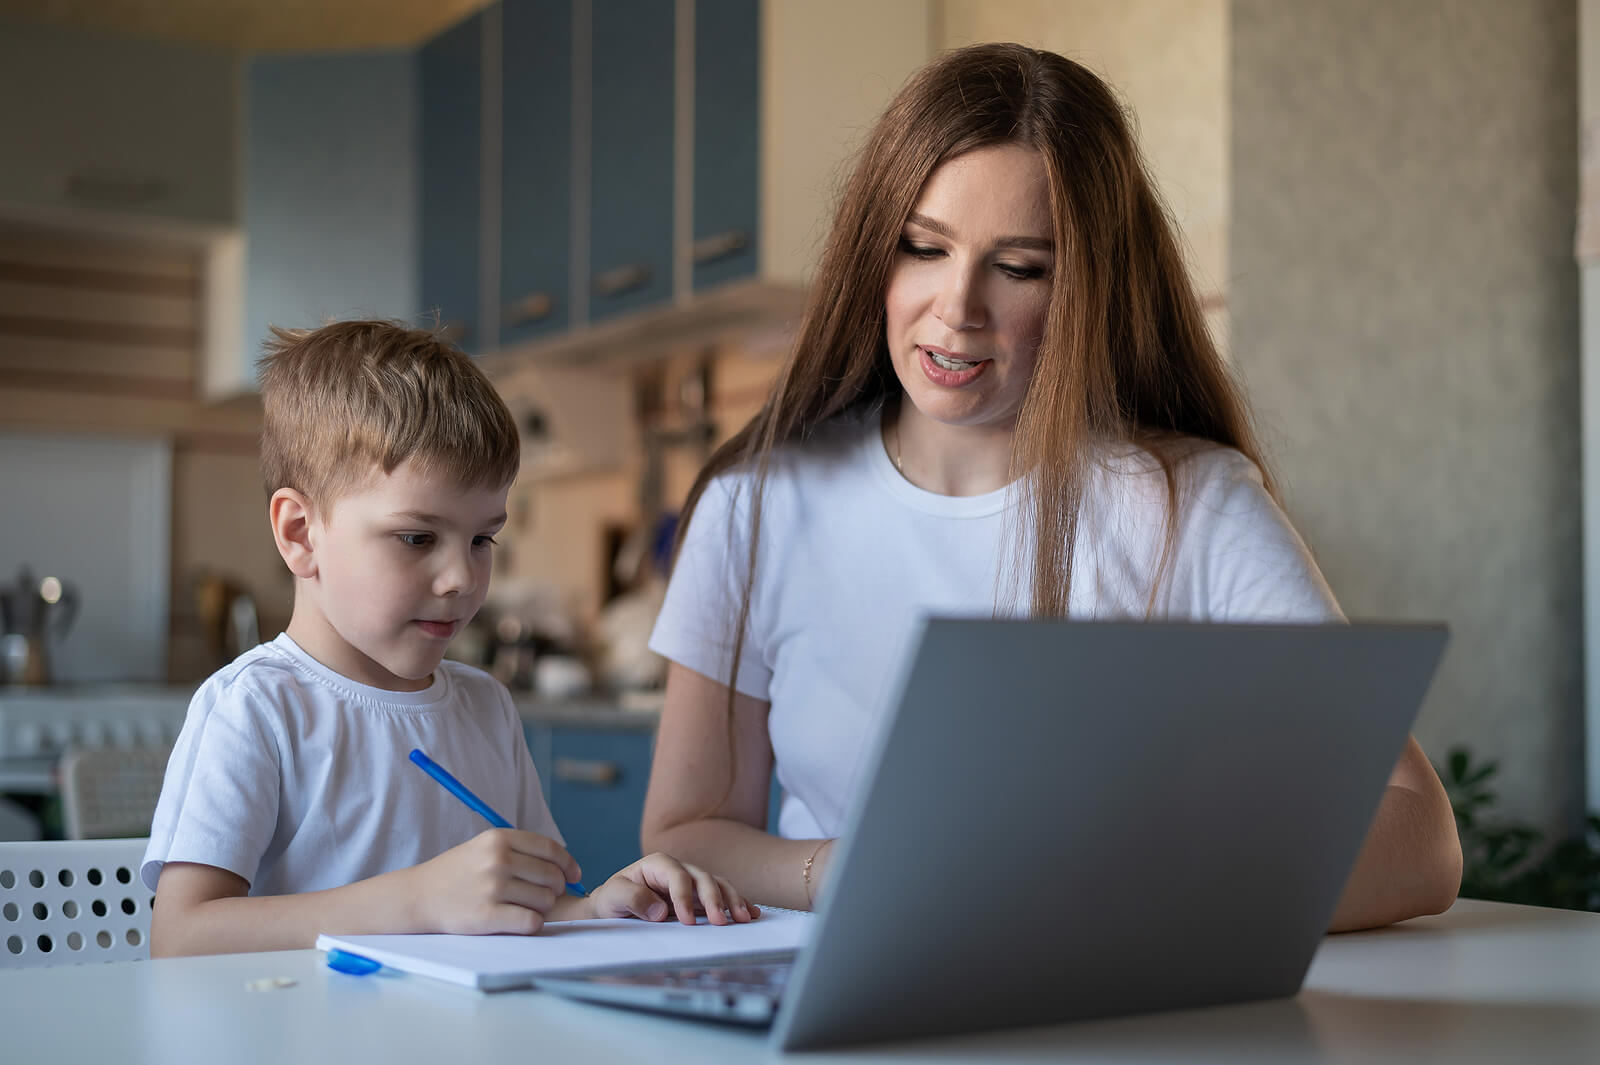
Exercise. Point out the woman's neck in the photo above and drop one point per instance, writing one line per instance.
(950, 460)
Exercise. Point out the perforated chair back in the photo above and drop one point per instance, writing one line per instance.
(111, 792)
(67, 902)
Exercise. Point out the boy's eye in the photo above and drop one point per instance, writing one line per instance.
(416, 539)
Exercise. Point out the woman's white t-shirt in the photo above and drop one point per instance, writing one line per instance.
(852, 556)
(297, 778)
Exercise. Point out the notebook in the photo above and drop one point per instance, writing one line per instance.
(498, 963)
(1064, 820)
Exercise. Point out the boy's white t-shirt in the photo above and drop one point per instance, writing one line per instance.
(853, 556)
(297, 778)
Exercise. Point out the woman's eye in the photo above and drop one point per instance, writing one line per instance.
(416, 539)
(918, 251)
(1022, 273)
(483, 541)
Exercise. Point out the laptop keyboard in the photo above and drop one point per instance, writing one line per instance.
(758, 977)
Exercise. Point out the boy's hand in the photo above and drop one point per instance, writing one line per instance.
(502, 880)
(645, 889)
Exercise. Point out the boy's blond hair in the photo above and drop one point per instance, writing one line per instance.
(352, 398)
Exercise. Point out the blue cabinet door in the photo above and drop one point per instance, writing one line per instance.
(449, 130)
(597, 781)
(631, 160)
(727, 109)
(536, 168)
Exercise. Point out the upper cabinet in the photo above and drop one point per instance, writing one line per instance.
(657, 173)
(570, 180)
(631, 149)
(727, 145)
(121, 126)
(537, 223)
(450, 72)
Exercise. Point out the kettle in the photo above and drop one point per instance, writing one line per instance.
(33, 614)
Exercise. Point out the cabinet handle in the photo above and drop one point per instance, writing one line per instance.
(586, 771)
(622, 279)
(533, 307)
(719, 246)
(113, 188)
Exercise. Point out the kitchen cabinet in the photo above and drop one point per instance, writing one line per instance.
(450, 77)
(712, 133)
(536, 187)
(595, 776)
(118, 126)
(727, 100)
(594, 780)
(631, 146)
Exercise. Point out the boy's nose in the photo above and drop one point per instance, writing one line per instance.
(456, 577)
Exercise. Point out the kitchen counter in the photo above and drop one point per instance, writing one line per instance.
(592, 711)
(43, 722)
(40, 723)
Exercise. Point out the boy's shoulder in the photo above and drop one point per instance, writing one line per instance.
(472, 683)
(263, 674)
(261, 662)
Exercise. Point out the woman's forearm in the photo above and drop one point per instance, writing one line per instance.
(1410, 864)
(769, 870)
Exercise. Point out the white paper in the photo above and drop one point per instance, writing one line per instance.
(493, 963)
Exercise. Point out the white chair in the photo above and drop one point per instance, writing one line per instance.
(111, 792)
(67, 902)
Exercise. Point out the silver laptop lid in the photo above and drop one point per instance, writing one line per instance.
(1079, 819)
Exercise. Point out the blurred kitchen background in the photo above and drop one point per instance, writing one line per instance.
(616, 203)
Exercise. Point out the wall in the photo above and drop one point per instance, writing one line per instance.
(99, 340)
(556, 536)
(1169, 61)
(1589, 258)
(1405, 310)
(331, 144)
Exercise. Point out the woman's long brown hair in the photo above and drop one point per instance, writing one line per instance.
(1125, 355)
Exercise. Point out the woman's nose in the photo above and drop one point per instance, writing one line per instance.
(959, 302)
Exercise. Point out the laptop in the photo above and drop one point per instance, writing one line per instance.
(1069, 820)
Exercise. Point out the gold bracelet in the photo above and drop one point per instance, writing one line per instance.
(806, 871)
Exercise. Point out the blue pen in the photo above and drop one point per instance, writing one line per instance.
(459, 790)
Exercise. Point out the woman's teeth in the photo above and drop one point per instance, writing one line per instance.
(946, 363)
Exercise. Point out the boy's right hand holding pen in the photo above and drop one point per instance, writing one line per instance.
(506, 880)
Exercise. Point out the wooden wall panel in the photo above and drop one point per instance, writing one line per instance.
(99, 336)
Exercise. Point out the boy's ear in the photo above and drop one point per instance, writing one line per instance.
(290, 514)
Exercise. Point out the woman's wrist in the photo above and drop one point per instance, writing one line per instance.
(811, 873)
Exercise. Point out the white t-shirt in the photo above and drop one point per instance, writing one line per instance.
(297, 778)
(853, 555)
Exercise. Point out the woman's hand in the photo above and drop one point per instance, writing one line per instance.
(502, 880)
(657, 886)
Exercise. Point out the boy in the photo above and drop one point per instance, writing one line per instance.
(289, 806)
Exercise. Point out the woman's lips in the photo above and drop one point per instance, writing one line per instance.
(949, 378)
(441, 630)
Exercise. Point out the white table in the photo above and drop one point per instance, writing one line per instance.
(1484, 983)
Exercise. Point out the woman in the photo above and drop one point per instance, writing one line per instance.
(1003, 398)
